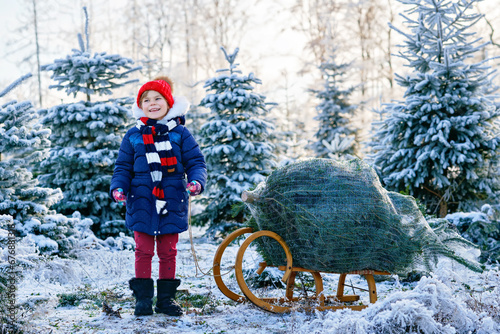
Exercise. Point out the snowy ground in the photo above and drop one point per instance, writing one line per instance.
(455, 300)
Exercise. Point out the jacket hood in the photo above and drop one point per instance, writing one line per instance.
(180, 108)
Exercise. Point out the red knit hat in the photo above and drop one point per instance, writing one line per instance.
(160, 86)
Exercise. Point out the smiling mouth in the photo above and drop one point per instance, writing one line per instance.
(154, 110)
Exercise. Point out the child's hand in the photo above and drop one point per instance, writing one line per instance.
(119, 196)
(193, 188)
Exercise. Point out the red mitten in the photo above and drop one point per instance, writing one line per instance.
(193, 188)
(119, 196)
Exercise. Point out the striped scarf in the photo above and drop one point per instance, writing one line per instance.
(159, 154)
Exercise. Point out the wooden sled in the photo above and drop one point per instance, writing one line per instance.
(288, 302)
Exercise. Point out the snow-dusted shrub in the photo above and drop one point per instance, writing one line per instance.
(120, 242)
(113, 228)
(271, 277)
(486, 301)
(56, 234)
(431, 307)
(25, 257)
(86, 239)
(51, 234)
(408, 316)
(58, 270)
(478, 228)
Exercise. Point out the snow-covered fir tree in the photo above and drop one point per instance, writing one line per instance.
(336, 134)
(24, 143)
(86, 135)
(441, 143)
(283, 142)
(234, 143)
(197, 117)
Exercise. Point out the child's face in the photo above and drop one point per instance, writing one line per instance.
(154, 105)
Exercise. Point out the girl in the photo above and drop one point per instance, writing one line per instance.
(149, 177)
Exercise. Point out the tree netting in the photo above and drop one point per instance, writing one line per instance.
(335, 216)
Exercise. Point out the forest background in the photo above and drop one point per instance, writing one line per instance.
(283, 42)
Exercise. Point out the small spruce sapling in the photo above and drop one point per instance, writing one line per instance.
(86, 135)
(336, 135)
(234, 142)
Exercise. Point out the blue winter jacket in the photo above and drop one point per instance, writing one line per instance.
(132, 174)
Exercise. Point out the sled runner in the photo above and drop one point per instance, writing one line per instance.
(287, 302)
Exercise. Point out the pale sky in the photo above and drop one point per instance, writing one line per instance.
(269, 48)
(9, 10)
(273, 49)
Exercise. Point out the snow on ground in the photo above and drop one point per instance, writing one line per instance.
(454, 300)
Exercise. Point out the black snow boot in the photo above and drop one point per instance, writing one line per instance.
(144, 290)
(165, 298)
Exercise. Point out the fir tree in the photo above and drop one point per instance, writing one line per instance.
(197, 117)
(86, 135)
(336, 135)
(234, 142)
(441, 143)
(24, 143)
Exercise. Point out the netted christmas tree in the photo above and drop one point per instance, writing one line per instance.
(441, 143)
(335, 217)
(336, 134)
(233, 142)
(86, 135)
(24, 144)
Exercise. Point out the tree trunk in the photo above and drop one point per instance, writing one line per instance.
(443, 205)
(443, 208)
(37, 54)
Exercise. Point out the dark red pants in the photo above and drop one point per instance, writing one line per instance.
(166, 248)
